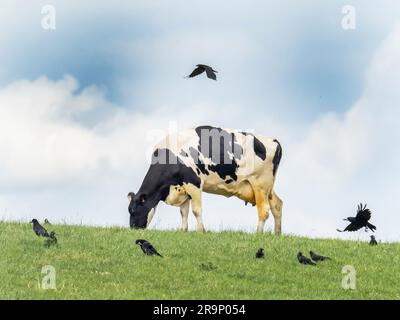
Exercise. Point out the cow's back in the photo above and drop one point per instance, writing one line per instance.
(227, 165)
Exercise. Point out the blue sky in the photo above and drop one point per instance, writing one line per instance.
(300, 49)
(111, 73)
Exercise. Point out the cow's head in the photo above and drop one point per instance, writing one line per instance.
(141, 210)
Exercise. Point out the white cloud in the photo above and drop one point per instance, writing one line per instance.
(40, 141)
(43, 142)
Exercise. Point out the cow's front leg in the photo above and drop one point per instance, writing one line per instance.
(195, 195)
(262, 208)
(185, 215)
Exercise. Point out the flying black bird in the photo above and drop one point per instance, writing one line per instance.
(360, 220)
(201, 68)
(260, 253)
(373, 241)
(304, 260)
(51, 240)
(147, 248)
(47, 221)
(317, 257)
(39, 230)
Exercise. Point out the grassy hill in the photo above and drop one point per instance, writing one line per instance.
(103, 263)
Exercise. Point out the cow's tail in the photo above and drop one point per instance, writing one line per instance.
(277, 157)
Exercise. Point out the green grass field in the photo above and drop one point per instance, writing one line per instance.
(104, 263)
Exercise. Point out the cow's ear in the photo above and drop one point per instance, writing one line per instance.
(131, 195)
(142, 198)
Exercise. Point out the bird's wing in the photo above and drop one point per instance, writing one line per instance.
(153, 250)
(39, 230)
(352, 227)
(363, 214)
(149, 247)
(196, 72)
(145, 251)
(316, 257)
(210, 73)
(306, 260)
(44, 232)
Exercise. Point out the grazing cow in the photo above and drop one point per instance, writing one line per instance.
(214, 160)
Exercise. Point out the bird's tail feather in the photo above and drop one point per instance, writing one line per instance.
(371, 227)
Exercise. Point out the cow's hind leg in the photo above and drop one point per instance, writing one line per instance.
(262, 208)
(185, 214)
(276, 208)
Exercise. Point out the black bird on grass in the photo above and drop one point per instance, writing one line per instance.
(317, 257)
(38, 229)
(304, 260)
(147, 248)
(373, 241)
(51, 240)
(201, 68)
(360, 220)
(260, 253)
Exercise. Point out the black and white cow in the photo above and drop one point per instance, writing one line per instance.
(214, 160)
